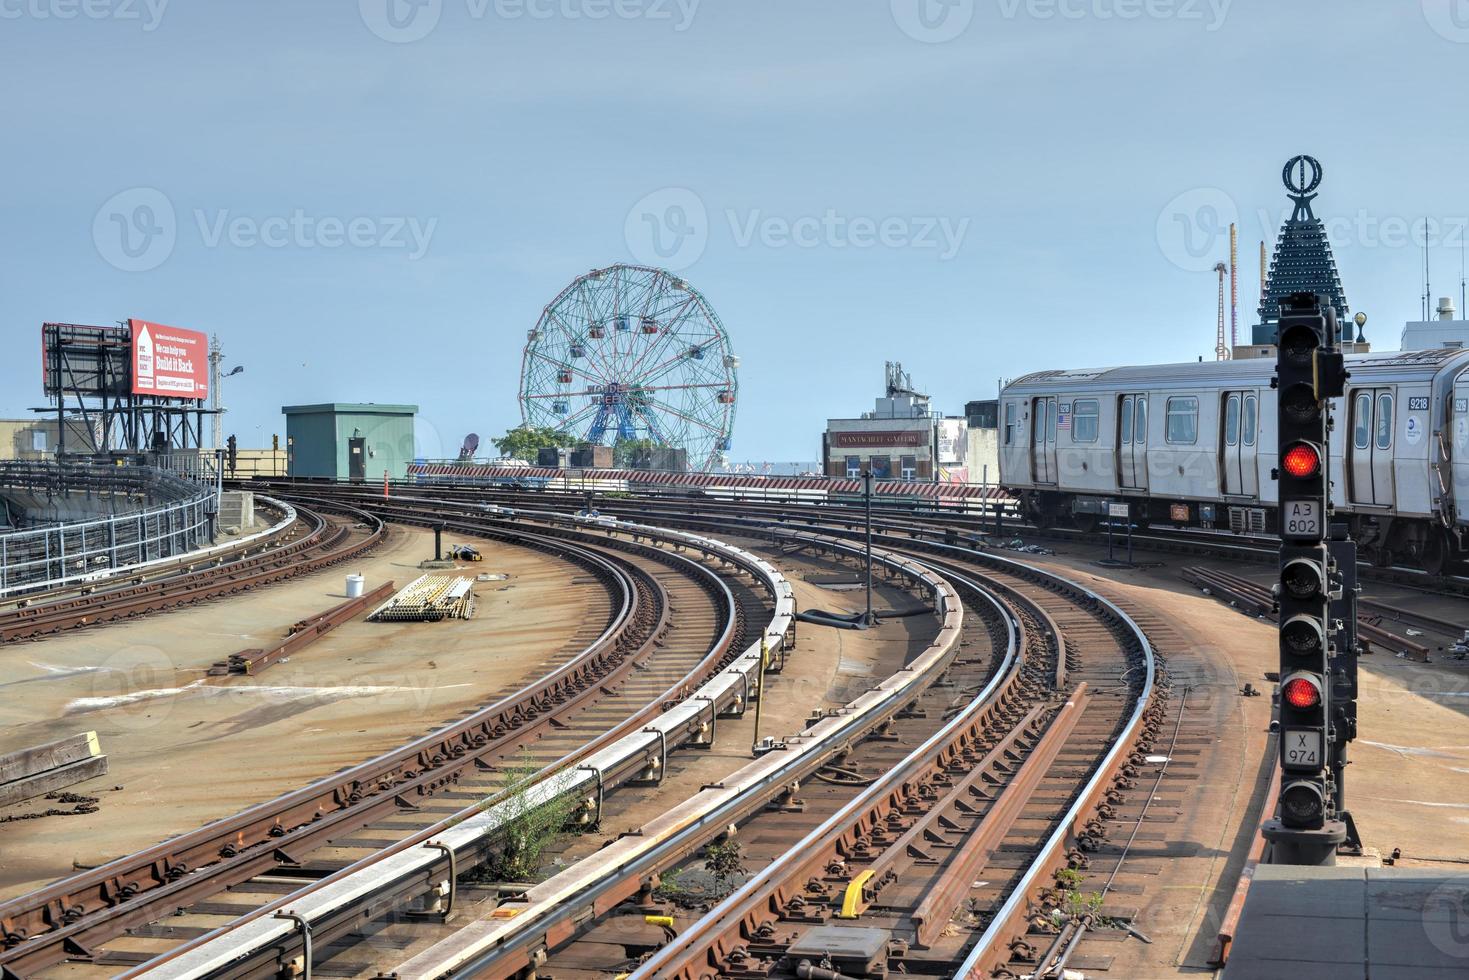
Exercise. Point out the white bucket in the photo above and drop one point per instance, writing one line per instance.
(355, 585)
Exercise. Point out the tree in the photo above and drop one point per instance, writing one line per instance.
(526, 441)
(626, 452)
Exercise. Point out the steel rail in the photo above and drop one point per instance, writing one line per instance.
(508, 942)
(316, 550)
(62, 918)
(680, 957)
(46, 591)
(237, 949)
(1010, 918)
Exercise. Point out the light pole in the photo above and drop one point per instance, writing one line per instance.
(867, 618)
(216, 354)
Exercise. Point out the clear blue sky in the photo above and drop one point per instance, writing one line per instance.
(1068, 146)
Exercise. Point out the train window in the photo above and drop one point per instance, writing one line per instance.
(1384, 421)
(1009, 423)
(1140, 427)
(1362, 420)
(1085, 420)
(1183, 421)
(1231, 420)
(1126, 438)
(1251, 423)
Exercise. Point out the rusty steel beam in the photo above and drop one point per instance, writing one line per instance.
(304, 633)
(949, 892)
(38, 928)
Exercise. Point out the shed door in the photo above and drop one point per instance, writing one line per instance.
(1369, 465)
(357, 458)
(1132, 442)
(1238, 435)
(1043, 440)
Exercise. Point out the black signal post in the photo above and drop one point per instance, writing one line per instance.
(1309, 823)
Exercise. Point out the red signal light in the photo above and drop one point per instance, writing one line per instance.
(1302, 460)
(1301, 692)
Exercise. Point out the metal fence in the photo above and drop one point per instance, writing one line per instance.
(126, 515)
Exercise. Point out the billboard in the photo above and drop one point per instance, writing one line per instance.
(169, 361)
(953, 441)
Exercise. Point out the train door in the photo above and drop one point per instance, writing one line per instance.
(1043, 440)
(1132, 442)
(1369, 464)
(1237, 437)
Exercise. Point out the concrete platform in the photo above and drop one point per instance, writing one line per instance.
(1353, 924)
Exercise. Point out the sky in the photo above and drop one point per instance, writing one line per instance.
(373, 200)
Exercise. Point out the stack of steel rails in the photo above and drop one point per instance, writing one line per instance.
(428, 599)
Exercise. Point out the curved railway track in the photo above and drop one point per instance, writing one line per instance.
(1051, 728)
(298, 838)
(311, 542)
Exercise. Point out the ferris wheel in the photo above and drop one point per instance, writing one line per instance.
(628, 353)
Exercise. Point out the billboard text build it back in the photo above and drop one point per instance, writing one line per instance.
(169, 361)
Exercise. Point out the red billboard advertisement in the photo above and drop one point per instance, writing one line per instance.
(169, 361)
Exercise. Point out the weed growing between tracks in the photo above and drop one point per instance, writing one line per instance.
(530, 827)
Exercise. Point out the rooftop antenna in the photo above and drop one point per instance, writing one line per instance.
(1427, 290)
(1221, 353)
(1233, 287)
(1463, 285)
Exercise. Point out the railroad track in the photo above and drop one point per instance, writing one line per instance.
(313, 541)
(124, 912)
(261, 947)
(1086, 718)
(1005, 792)
(931, 521)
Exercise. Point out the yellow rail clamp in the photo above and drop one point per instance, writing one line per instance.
(852, 903)
(666, 921)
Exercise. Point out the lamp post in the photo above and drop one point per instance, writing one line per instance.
(867, 618)
(216, 354)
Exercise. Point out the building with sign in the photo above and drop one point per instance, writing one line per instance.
(349, 441)
(902, 438)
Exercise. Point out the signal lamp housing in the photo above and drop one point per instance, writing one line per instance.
(1302, 804)
(1303, 636)
(1303, 579)
(1301, 692)
(1302, 461)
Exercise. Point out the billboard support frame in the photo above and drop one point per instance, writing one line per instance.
(87, 375)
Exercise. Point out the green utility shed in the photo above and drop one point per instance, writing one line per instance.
(349, 442)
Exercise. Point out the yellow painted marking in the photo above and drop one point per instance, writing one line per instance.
(852, 904)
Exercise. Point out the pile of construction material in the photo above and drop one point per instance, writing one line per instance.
(428, 599)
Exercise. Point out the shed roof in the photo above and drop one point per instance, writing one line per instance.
(349, 408)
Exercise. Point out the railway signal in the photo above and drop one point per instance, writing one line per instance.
(1309, 373)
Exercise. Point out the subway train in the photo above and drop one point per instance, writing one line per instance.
(1194, 445)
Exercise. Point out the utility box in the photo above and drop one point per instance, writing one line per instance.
(349, 441)
(662, 459)
(587, 457)
(551, 457)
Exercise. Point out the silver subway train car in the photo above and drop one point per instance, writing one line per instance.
(1194, 445)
